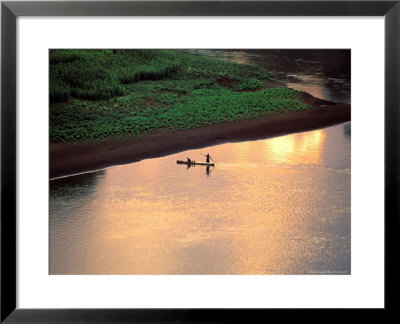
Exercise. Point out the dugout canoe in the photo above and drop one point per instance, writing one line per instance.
(194, 163)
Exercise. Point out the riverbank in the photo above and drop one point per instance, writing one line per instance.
(111, 107)
(67, 159)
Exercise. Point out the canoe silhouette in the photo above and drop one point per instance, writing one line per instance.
(194, 163)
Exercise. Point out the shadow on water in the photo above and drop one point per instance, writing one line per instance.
(347, 130)
(77, 186)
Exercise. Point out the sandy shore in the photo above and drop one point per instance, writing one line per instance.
(68, 159)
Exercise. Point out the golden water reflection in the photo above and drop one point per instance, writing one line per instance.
(273, 206)
(297, 148)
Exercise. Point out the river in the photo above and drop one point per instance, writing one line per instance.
(272, 206)
(324, 74)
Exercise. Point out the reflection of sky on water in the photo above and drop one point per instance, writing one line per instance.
(273, 206)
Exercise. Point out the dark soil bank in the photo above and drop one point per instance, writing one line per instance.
(68, 159)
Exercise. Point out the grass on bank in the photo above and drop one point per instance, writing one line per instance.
(98, 94)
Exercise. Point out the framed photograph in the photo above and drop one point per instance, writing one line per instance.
(197, 161)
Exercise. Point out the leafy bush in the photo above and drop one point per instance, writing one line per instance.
(98, 74)
(115, 93)
(249, 84)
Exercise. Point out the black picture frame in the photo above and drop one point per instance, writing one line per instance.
(9, 13)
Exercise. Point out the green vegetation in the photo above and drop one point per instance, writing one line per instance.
(98, 94)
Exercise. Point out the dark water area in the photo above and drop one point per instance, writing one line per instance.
(325, 74)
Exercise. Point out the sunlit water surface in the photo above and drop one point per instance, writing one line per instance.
(271, 206)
